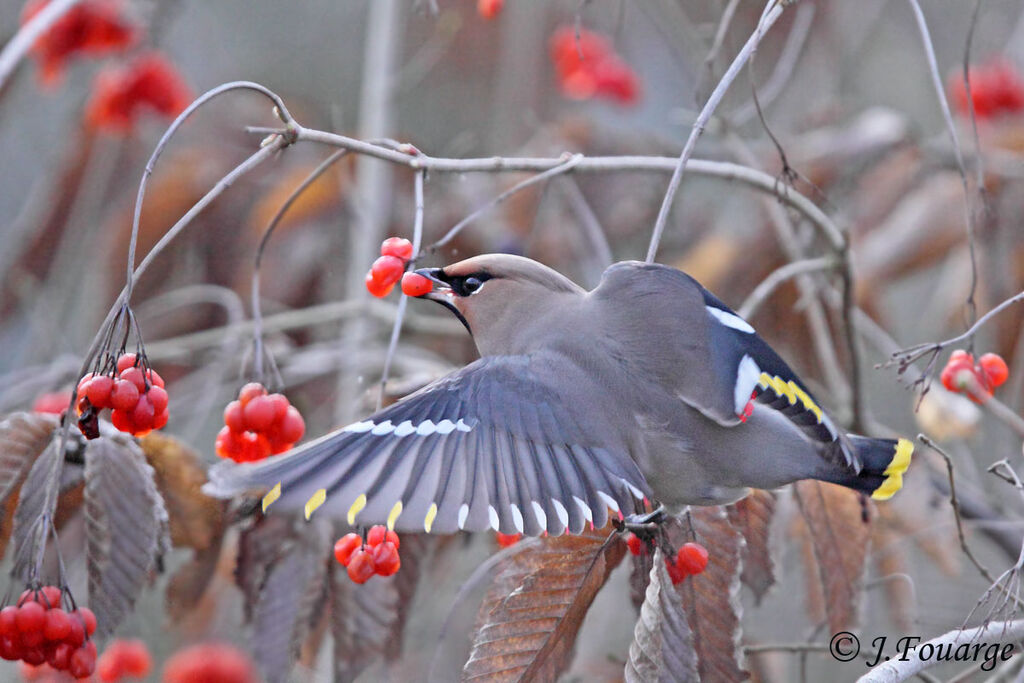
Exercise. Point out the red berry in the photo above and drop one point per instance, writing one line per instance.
(378, 534)
(108, 667)
(158, 397)
(60, 656)
(259, 414)
(233, 417)
(58, 625)
(76, 638)
(377, 288)
(160, 421)
(83, 661)
(124, 658)
(995, 369)
(280, 404)
(125, 361)
(488, 9)
(692, 558)
(84, 381)
(10, 649)
(98, 390)
(154, 378)
(228, 443)
(124, 395)
(33, 654)
(399, 247)
(674, 573)
(361, 566)
(345, 546)
(250, 391)
(292, 426)
(506, 540)
(387, 269)
(209, 663)
(135, 376)
(88, 619)
(385, 559)
(414, 284)
(53, 403)
(636, 546)
(30, 618)
(122, 420)
(143, 414)
(8, 625)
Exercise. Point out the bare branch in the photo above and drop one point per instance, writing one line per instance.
(772, 12)
(781, 275)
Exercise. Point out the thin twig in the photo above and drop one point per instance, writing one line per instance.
(396, 329)
(773, 11)
(955, 503)
(257, 313)
(564, 167)
(591, 226)
(947, 116)
(781, 275)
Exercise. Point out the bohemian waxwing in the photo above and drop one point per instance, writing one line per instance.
(646, 387)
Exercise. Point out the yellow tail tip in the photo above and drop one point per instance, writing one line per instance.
(894, 472)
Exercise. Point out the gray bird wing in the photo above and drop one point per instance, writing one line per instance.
(497, 444)
(708, 356)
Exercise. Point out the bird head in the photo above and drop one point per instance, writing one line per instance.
(496, 296)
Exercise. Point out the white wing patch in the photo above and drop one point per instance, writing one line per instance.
(730, 319)
(405, 428)
(748, 374)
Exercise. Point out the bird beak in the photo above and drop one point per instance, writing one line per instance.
(442, 293)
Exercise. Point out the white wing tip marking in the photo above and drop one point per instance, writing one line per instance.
(462, 426)
(538, 512)
(404, 428)
(425, 428)
(463, 515)
(730, 319)
(492, 517)
(587, 512)
(563, 514)
(517, 517)
(609, 501)
(383, 428)
(637, 493)
(359, 427)
(445, 426)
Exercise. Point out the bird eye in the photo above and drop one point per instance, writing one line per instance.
(470, 285)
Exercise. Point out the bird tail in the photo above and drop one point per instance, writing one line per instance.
(883, 463)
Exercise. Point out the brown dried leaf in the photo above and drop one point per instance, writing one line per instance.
(186, 587)
(711, 599)
(752, 516)
(814, 596)
(662, 648)
(260, 546)
(292, 590)
(126, 526)
(196, 520)
(23, 436)
(529, 635)
(36, 501)
(840, 537)
(893, 568)
(367, 621)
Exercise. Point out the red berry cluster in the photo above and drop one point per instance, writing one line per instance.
(996, 89)
(692, 558)
(588, 67)
(258, 424)
(210, 663)
(378, 555)
(395, 252)
(506, 540)
(124, 659)
(963, 375)
(136, 396)
(38, 631)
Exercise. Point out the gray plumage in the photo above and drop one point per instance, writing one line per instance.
(646, 387)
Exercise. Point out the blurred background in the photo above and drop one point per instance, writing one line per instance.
(845, 90)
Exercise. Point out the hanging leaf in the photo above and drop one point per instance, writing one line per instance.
(662, 647)
(37, 501)
(189, 582)
(530, 633)
(367, 621)
(752, 517)
(639, 577)
(126, 524)
(711, 599)
(260, 546)
(23, 436)
(840, 536)
(292, 590)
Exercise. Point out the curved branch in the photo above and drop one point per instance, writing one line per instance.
(18, 46)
